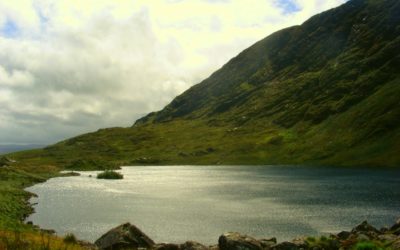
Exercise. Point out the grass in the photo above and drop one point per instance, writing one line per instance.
(299, 96)
(34, 241)
(14, 207)
(369, 245)
(110, 174)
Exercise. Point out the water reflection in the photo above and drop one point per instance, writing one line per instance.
(177, 203)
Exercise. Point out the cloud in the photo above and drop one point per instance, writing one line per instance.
(69, 67)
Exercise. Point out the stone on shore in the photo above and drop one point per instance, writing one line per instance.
(395, 229)
(124, 236)
(236, 241)
(365, 227)
(188, 245)
(128, 236)
(192, 245)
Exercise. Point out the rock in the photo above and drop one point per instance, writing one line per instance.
(396, 228)
(364, 227)
(192, 245)
(344, 235)
(384, 230)
(166, 246)
(387, 237)
(333, 244)
(396, 245)
(286, 246)
(124, 236)
(267, 243)
(300, 243)
(362, 237)
(236, 241)
(213, 247)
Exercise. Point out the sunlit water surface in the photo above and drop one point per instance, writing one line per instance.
(179, 203)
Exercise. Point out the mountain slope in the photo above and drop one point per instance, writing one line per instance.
(324, 92)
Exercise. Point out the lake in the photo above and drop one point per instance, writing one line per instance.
(179, 203)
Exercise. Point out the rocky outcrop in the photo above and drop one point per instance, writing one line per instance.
(124, 236)
(127, 236)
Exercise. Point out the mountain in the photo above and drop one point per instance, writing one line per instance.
(324, 92)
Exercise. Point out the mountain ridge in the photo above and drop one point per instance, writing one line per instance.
(324, 92)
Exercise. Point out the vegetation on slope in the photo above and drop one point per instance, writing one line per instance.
(325, 92)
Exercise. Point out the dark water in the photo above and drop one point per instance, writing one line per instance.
(179, 203)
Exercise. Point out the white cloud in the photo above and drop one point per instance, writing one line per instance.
(76, 66)
(15, 78)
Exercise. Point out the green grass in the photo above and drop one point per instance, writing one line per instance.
(368, 245)
(316, 94)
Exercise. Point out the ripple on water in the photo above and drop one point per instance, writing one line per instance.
(178, 203)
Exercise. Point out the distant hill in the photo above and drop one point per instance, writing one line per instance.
(325, 92)
(9, 148)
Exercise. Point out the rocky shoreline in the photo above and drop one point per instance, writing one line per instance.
(361, 237)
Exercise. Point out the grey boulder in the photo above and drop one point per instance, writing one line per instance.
(124, 236)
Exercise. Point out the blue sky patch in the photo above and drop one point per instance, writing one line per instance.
(9, 29)
(288, 6)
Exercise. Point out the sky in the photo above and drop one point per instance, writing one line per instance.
(69, 67)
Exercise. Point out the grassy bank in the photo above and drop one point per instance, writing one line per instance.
(14, 208)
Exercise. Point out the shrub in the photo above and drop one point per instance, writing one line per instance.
(70, 239)
(311, 239)
(109, 174)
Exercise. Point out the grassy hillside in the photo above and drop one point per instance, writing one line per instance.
(324, 92)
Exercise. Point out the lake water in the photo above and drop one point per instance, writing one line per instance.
(179, 203)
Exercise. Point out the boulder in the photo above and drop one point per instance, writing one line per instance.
(366, 229)
(188, 245)
(396, 245)
(344, 235)
(396, 228)
(384, 230)
(267, 243)
(300, 243)
(236, 241)
(213, 247)
(124, 236)
(166, 246)
(286, 246)
(387, 237)
(363, 237)
(192, 245)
